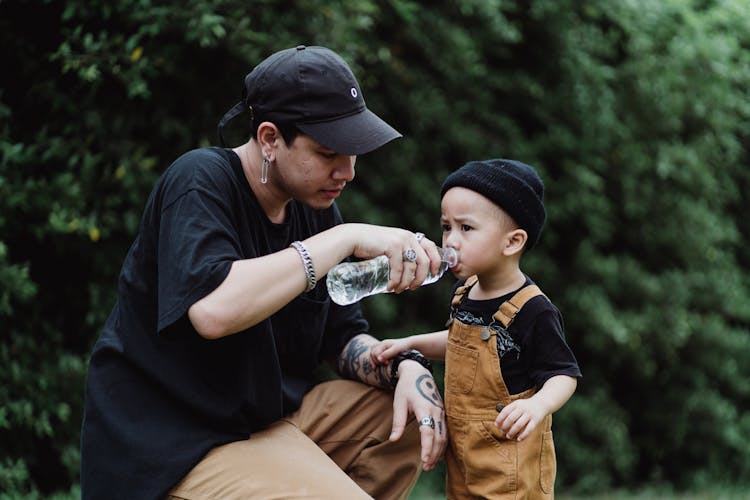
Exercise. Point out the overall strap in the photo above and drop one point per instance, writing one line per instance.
(508, 309)
(458, 296)
(462, 290)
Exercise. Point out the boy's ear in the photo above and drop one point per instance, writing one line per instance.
(515, 242)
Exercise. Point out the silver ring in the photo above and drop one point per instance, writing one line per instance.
(428, 421)
(410, 255)
(419, 237)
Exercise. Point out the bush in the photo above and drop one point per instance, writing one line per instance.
(636, 114)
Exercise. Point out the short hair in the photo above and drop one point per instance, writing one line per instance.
(288, 131)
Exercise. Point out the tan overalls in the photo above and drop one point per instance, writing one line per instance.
(480, 462)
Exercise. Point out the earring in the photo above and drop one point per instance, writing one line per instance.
(264, 169)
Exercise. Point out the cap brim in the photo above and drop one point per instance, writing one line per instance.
(351, 135)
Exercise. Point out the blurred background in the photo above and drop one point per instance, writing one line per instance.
(635, 112)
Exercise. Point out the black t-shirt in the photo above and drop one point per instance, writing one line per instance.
(533, 349)
(159, 396)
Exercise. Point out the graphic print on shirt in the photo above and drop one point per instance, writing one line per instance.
(505, 343)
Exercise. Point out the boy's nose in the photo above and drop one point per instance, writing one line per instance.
(450, 240)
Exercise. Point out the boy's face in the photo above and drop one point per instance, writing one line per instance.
(477, 228)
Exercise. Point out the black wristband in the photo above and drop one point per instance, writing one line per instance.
(411, 354)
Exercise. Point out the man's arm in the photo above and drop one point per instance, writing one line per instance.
(255, 289)
(416, 394)
(355, 363)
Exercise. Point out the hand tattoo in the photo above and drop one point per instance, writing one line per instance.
(428, 389)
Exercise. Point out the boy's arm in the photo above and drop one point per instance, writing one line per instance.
(519, 418)
(431, 345)
(556, 392)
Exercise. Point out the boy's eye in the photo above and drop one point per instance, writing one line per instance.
(446, 227)
(464, 227)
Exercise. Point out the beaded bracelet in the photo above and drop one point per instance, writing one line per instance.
(411, 354)
(307, 263)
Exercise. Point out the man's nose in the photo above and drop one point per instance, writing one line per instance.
(344, 169)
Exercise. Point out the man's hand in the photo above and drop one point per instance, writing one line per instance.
(417, 394)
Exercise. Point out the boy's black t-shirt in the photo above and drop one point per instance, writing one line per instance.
(533, 349)
(159, 396)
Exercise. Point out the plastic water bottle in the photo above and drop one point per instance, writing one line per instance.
(351, 281)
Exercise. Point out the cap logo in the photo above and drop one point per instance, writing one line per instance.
(354, 92)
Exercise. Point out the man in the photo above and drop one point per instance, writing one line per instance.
(202, 383)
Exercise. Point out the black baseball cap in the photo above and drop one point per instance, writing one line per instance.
(314, 89)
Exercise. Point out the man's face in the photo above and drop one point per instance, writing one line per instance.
(312, 173)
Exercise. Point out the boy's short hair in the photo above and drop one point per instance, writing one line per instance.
(512, 185)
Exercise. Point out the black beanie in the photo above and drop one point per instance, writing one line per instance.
(513, 186)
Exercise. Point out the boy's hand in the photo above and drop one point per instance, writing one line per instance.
(519, 418)
(383, 351)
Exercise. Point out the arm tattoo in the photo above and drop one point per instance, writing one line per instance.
(428, 389)
(355, 364)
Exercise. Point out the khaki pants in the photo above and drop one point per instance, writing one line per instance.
(335, 446)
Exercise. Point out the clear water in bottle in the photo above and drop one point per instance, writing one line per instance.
(349, 282)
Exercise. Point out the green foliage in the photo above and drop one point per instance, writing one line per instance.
(636, 113)
(653, 247)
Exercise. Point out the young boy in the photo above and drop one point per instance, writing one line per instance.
(507, 365)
